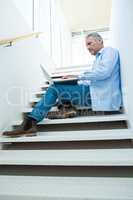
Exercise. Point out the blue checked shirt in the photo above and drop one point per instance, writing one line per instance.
(104, 80)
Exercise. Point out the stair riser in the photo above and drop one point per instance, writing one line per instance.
(113, 144)
(44, 88)
(39, 95)
(66, 171)
(81, 126)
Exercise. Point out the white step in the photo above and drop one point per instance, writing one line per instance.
(44, 84)
(97, 157)
(35, 100)
(73, 136)
(65, 188)
(88, 119)
(29, 109)
(41, 92)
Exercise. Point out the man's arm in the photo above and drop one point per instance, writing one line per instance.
(103, 68)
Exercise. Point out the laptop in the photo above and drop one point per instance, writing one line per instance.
(57, 80)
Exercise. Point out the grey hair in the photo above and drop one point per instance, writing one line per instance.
(95, 35)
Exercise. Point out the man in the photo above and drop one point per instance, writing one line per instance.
(99, 87)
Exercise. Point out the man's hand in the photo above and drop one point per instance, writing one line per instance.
(70, 77)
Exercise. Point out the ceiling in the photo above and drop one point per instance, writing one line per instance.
(86, 14)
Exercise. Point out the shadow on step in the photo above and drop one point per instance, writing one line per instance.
(66, 171)
(84, 126)
(108, 144)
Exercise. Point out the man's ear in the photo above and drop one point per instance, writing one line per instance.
(101, 42)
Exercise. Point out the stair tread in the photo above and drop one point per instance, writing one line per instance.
(73, 136)
(97, 157)
(87, 119)
(41, 92)
(35, 99)
(64, 188)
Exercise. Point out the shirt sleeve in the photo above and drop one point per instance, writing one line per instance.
(103, 68)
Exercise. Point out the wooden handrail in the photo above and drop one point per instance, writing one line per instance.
(10, 41)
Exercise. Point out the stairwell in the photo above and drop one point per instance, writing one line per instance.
(86, 157)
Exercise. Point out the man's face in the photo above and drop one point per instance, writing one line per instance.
(93, 45)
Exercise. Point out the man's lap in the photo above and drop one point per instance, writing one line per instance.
(77, 94)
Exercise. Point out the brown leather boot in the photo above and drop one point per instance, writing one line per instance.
(27, 128)
(65, 111)
(61, 114)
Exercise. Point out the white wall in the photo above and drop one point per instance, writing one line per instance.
(14, 63)
(66, 41)
(26, 11)
(20, 78)
(20, 75)
(80, 54)
(57, 36)
(11, 22)
(61, 36)
(94, 14)
(122, 38)
(44, 23)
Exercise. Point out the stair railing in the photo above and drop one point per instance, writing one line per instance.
(10, 41)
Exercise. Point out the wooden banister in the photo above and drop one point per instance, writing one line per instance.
(10, 41)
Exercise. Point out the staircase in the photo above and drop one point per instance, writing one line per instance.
(82, 158)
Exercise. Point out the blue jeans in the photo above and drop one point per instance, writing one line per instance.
(76, 94)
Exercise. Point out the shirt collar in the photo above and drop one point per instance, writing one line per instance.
(99, 52)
